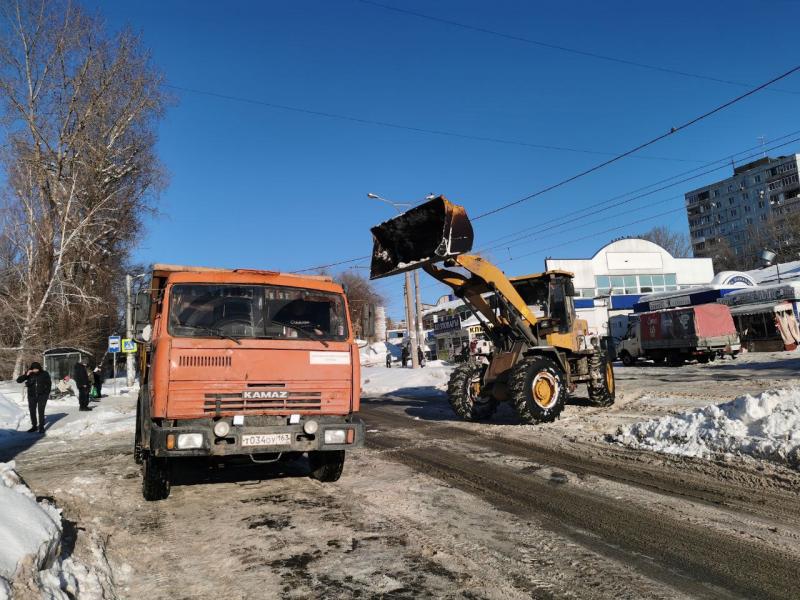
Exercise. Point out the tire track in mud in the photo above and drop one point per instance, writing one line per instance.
(678, 477)
(699, 562)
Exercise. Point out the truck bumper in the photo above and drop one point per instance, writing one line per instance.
(267, 435)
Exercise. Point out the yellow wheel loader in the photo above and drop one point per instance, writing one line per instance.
(541, 350)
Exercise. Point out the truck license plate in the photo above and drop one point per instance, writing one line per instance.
(267, 439)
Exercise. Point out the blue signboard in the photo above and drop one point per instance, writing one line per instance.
(114, 343)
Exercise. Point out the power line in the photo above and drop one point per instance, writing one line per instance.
(439, 132)
(654, 140)
(526, 40)
(598, 207)
(725, 161)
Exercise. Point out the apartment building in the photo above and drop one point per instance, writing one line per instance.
(733, 208)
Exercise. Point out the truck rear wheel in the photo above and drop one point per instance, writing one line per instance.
(602, 388)
(326, 466)
(155, 478)
(464, 393)
(538, 389)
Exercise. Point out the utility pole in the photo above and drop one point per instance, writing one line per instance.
(420, 326)
(411, 326)
(128, 329)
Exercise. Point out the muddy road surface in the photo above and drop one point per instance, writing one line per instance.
(437, 508)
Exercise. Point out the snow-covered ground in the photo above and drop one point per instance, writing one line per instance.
(430, 380)
(31, 531)
(765, 426)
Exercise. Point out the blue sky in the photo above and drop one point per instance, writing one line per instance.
(254, 186)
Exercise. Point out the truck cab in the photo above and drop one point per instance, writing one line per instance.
(244, 365)
(629, 348)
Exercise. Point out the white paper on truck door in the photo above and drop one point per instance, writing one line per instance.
(329, 358)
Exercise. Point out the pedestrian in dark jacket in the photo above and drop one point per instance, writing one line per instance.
(81, 377)
(404, 356)
(420, 357)
(98, 380)
(37, 380)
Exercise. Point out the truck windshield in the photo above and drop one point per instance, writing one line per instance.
(255, 311)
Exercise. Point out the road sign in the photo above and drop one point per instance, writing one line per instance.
(114, 343)
(128, 346)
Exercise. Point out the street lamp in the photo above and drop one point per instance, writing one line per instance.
(768, 257)
(412, 325)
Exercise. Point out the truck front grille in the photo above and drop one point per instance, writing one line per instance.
(204, 361)
(220, 403)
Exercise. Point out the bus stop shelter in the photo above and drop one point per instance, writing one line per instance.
(59, 361)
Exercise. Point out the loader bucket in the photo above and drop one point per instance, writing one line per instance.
(427, 233)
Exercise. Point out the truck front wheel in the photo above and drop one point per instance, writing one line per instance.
(538, 389)
(464, 393)
(326, 466)
(155, 478)
(626, 358)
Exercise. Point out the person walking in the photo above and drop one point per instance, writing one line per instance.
(404, 356)
(38, 382)
(420, 357)
(81, 377)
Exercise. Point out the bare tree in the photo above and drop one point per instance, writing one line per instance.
(360, 294)
(674, 242)
(79, 109)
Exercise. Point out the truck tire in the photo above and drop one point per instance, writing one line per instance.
(463, 393)
(138, 450)
(675, 359)
(538, 389)
(326, 466)
(626, 358)
(602, 391)
(155, 478)
(703, 359)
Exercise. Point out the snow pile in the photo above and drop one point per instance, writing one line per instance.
(375, 354)
(30, 560)
(766, 426)
(11, 416)
(380, 381)
(31, 531)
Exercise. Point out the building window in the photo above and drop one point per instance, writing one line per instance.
(716, 193)
(730, 201)
(757, 178)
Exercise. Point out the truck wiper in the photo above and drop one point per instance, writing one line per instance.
(306, 332)
(219, 334)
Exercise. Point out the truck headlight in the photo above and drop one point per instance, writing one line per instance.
(221, 428)
(310, 427)
(335, 436)
(188, 441)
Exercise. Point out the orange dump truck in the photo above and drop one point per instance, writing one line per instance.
(244, 365)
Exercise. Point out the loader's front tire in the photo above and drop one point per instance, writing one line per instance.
(464, 393)
(326, 466)
(602, 390)
(538, 389)
(155, 478)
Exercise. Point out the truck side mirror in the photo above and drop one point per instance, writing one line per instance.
(368, 321)
(141, 316)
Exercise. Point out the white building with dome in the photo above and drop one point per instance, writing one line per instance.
(620, 273)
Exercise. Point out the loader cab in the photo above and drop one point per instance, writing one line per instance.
(550, 297)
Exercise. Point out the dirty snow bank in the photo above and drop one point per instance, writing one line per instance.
(766, 427)
(30, 560)
(30, 530)
(11, 415)
(380, 381)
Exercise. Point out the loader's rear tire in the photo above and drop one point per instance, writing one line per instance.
(155, 478)
(603, 391)
(538, 389)
(464, 393)
(326, 466)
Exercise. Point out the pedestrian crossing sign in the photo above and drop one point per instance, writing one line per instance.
(128, 345)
